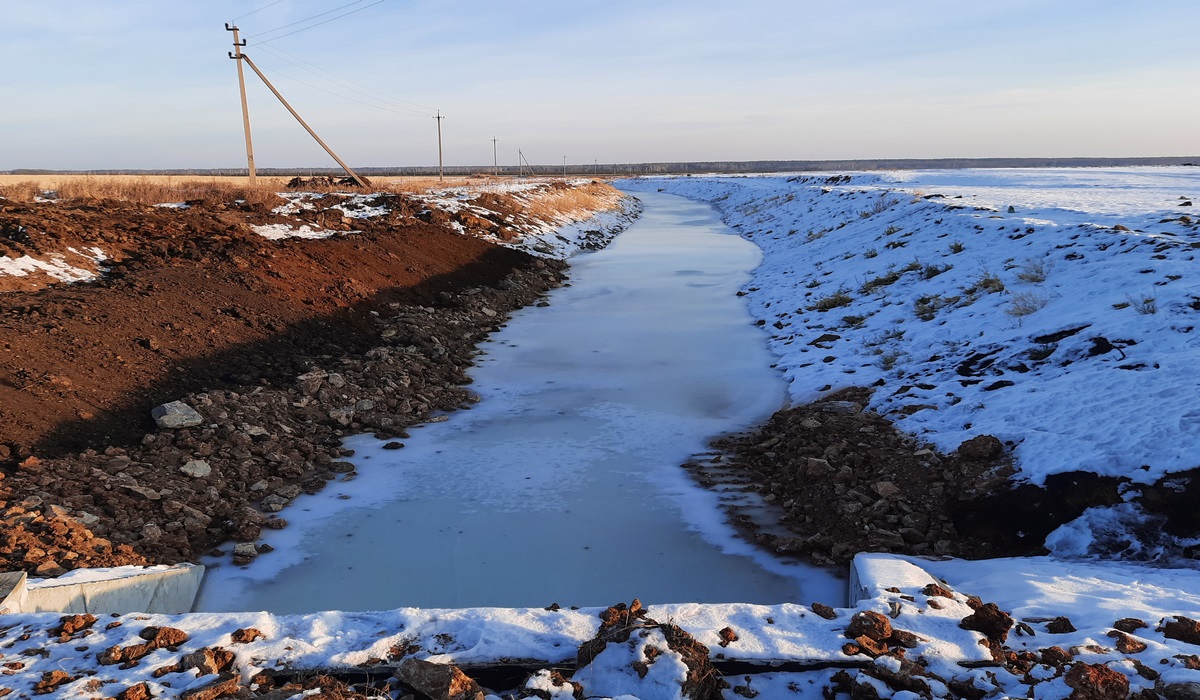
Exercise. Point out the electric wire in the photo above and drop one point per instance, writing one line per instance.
(344, 97)
(320, 14)
(253, 11)
(346, 82)
(331, 19)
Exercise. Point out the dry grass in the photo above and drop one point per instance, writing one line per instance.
(571, 204)
(157, 189)
(140, 189)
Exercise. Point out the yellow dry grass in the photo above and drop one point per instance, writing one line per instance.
(157, 189)
(571, 204)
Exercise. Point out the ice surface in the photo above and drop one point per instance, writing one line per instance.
(563, 484)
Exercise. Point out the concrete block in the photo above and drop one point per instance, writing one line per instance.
(169, 590)
(12, 591)
(873, 574)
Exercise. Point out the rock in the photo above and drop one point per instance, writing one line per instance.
(934, 589)
(70, 624)
(343, 415)
(846, 408)
(885, 489)
(870, 624)
(905, 639)
(176, 414)
(196, 468)
(1056, 656)
(981, 448)
(1060, 625)
(1130, 624)
(140, 492)
(727, 636)
(50, 681)
(164, 637)
(226, 684)
(245, 549)
(817, 468)
(207, 660)
(1180, 691)
(1183, 629)
(310, 382)
(1127, 644)
(246, 635)
(990, 621)
(141, 691)
(1096, 682)
(823, 610)
(438, 681)
(49, 569)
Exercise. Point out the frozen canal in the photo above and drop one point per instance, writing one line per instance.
(563, 484)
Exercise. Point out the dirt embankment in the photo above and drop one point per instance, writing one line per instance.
(830, 479)
(283, 347)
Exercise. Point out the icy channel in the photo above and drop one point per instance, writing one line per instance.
(563, 485)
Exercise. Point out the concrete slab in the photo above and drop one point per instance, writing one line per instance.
(169, 590)
(873, 574)
(12, 591)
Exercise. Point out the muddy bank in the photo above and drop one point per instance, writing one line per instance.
(282, 347)
(830, 479)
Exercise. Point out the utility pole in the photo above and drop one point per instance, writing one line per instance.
(362, 181)
(564, 166)
(236, 54)
(439, 119)
(495, 159)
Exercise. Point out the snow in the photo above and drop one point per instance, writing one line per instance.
(1070, 409)
(947, 298)
(1092, 595)
(277, 232)
(57, 266)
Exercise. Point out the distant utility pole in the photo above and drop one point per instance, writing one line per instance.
(564, 166)
(495, 159)
(237, 54)
(439, 119)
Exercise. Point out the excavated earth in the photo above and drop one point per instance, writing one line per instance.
(283, 346)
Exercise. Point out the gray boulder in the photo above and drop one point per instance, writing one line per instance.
(176, 414)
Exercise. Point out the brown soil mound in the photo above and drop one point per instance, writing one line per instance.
(382, 320)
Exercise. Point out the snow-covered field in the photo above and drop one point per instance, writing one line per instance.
(1054, 309)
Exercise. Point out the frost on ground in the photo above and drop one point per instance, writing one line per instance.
(1053, 309)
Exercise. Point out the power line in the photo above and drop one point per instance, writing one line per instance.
(253, 11)
(344, 97)
(342, 81)
(311, 26)
(321, 14)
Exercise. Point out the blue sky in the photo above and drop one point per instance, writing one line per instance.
(147, 84)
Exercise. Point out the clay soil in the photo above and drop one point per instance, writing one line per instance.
(195, 306)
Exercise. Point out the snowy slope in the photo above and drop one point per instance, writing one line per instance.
(1054, 309)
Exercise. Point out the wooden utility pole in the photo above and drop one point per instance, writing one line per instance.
(439, 119)
(362, 181)
(236, 54)
(495, 159)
